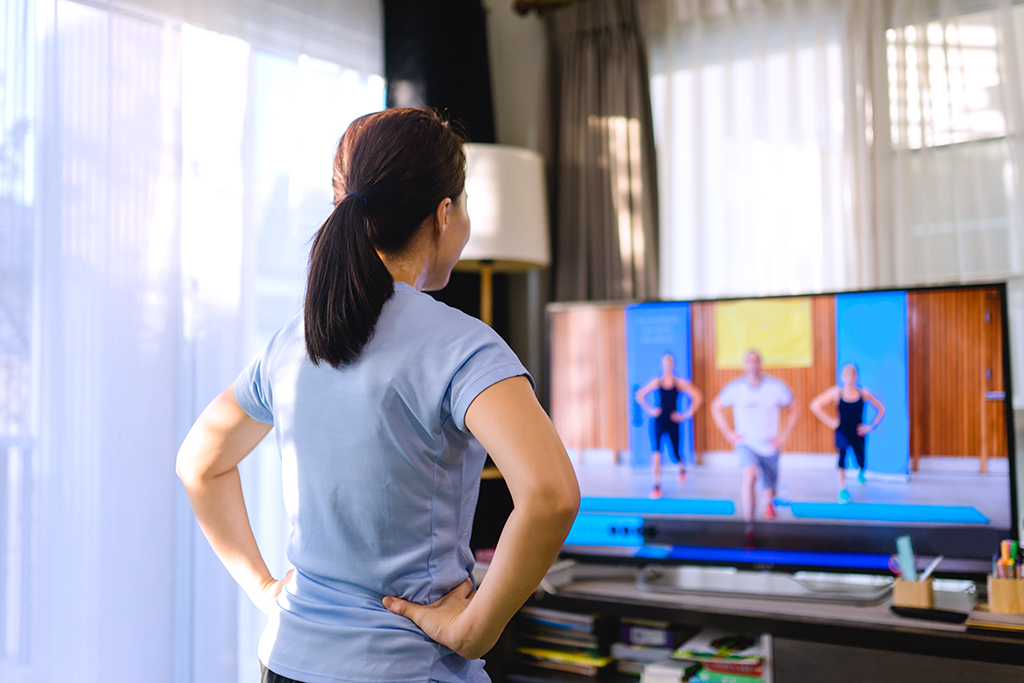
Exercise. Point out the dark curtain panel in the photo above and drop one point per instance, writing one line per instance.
(606, 218)
(435, 55)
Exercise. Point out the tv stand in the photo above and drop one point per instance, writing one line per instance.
(856, 589)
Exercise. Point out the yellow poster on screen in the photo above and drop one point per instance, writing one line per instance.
(779, 329)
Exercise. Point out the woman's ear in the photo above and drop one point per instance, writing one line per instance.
(441, 215)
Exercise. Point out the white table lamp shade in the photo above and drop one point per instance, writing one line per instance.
(508, 209)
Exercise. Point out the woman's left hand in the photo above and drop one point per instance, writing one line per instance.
(862, 430)
(440, 620)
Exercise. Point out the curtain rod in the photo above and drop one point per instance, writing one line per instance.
(524, 7)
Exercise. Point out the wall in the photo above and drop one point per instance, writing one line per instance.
(589, 402)
(950, 374)
(810, 435)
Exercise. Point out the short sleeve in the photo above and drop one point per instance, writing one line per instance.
(785, 393)
(489, 362)
(727, 396)
(253, 391)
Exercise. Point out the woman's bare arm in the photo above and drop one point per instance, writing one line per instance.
(878, 404)
(823, 399)
(641, 395)
(696, 398)
(208, 467)
(509, 422)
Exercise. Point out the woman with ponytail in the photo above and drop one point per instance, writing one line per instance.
(385, 403)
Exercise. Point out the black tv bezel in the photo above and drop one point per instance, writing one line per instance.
(959, 567)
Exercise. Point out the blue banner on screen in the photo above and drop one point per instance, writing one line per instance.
(871, 334)
(656, 333)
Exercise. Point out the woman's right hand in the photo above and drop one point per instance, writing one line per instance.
(655, 412)
(270, 591)
(441, 620)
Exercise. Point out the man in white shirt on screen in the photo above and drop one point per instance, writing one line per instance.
(757, 401)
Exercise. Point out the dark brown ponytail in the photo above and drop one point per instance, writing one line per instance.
(391, 171)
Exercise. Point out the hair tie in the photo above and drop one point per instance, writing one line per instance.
(358, 196)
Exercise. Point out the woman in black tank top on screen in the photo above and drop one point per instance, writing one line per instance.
(849, 400)
(666, 417)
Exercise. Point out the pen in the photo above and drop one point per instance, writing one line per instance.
(931, 567)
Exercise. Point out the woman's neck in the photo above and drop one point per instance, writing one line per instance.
(408, 267)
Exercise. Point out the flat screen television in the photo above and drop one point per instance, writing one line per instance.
(676, 415)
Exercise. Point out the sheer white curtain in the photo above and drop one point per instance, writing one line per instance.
(748, 110)
(810, 145)
(955, 73)
(956, 115)
(158, 184)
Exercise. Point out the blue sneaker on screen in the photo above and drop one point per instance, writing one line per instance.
(844, 496)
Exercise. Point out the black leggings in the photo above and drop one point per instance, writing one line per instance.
(856, 442)
(271, 677)
(659, 428)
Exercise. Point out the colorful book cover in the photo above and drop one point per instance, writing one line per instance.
(563, 657)
(706, 676)
(727, 667)
(721, 645)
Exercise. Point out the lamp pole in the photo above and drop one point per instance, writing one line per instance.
(487, 292)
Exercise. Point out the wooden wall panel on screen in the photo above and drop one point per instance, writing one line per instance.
(947, 353)
(810, 435)
(706, 436)
(993, 433)
(588, 377)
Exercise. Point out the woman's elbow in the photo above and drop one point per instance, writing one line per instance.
(186, 470)
(565, 504)
(189, 467)
(555, 505)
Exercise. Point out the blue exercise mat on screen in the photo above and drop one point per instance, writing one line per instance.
(890, 512)
(661, 506)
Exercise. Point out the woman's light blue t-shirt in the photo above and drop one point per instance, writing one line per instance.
(380, 483)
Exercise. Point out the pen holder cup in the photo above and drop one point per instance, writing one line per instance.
(1005, 596)
(913, 594)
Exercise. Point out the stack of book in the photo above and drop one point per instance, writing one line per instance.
(563, 641)
(669, 671)
(642, 642)
(728, 657)
(981, 617)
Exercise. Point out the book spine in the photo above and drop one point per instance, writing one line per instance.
(717, 677)
(649, 637)
(754, 670)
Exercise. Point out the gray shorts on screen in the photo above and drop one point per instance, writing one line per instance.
(767, 465)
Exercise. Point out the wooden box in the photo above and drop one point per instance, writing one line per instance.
(913, 594)
(1005, 596)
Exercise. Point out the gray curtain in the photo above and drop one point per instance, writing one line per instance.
(606, 213)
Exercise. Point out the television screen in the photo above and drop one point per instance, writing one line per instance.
(797, 430)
